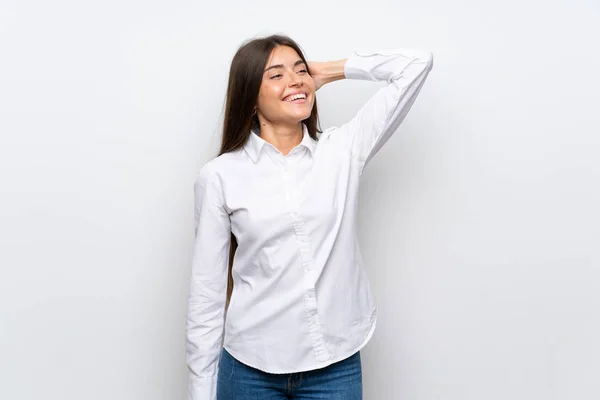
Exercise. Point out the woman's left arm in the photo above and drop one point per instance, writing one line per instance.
(404, 70)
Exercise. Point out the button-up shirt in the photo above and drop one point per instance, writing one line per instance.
(301, 298)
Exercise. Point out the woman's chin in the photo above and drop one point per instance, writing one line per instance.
(291, 118)
(299, 113)
(301, 116)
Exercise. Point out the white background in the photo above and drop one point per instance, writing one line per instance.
(479, 222)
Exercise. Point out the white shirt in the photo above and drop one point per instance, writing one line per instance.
(301, 297)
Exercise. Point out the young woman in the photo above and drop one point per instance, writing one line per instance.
(279, 302)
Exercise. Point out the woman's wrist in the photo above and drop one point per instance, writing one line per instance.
(327, 72)
(333, 70)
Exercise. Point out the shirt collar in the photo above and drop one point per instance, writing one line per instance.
(255, 144)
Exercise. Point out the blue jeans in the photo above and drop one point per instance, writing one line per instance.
(338, 381)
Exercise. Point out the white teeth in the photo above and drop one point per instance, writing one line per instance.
(295, 97)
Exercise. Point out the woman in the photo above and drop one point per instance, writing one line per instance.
(277, 211)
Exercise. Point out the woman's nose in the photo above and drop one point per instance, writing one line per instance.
(295, 81)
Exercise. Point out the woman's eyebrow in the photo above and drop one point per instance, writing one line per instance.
(281, 65)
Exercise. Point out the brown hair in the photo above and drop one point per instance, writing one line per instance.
(245, 77)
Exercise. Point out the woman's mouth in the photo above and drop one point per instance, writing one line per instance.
(296, 98)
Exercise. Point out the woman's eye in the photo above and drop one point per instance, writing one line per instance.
(303, 70)
(275, 76)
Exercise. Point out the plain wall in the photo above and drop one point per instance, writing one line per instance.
(479, 221)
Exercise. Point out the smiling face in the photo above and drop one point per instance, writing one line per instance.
(287, 91)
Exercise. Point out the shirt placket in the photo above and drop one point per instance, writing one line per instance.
(290, 187)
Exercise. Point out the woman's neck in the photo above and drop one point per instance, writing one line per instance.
(283, 137)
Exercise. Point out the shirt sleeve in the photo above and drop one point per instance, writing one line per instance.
(405, 71)
(207, 295)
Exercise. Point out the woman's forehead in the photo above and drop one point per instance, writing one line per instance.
(283, 55)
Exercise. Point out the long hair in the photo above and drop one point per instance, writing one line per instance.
(245, 77)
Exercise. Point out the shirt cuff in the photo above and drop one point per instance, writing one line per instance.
(202, 388)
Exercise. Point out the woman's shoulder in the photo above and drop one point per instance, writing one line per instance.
(218, 167)
(334, 135)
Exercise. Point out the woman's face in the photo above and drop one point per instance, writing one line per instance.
(287, 91)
